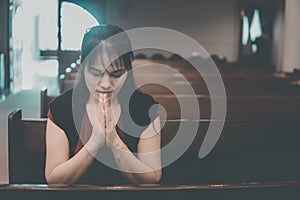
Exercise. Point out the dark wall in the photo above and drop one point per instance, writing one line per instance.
(214, 24)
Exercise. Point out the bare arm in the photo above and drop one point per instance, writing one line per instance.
(146, 167)
(60, 169)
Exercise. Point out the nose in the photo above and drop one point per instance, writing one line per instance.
(104, 81)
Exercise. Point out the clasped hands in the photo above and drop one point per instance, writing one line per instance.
(102, 119)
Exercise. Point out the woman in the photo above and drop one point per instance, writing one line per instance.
(83, 121)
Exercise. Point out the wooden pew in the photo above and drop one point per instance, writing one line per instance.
(234, 85)
(264, 190)
(247, 151)
(45, 100)
(237, 81)
(193, 76)
(186, 69)
(26, 138)
(238, 107)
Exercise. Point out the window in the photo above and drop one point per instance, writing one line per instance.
(252, 31)
(47, 25)
(245, 30)
(74, 22)
(35, 39)
(255, 28)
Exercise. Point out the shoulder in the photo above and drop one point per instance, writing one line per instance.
(62, 100)
(142, 99)
(142, 108)
(62, 114)
(141, 103)
(61, 107)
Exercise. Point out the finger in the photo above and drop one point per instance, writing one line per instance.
(107, 99)
(97, 117)
(96, 96)
(94, 118)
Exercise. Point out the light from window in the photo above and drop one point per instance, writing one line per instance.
(74, 22)
(245, 30)
(254, 48)
(255, 28)
(48, 24)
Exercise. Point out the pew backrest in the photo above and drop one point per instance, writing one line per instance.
(247, 140)
(26, 148)
(45, 100)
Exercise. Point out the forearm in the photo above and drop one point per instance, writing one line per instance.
(71, 170)
(133, 168)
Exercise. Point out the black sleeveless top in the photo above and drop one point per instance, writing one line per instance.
(98, 173)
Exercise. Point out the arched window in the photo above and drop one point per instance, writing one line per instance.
(245, 30)
(75, 20)
(255, 28)
(35, 41)
(252, 31)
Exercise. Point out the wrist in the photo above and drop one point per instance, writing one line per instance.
(113, 140)
(118, 147)
(92, 146)
(119, 151)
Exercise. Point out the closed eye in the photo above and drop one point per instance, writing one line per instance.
(117, 73)
(95, 71)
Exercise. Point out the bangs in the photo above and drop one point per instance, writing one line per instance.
(105, 56)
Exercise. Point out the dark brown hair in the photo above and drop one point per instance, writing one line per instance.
(92, 38)
(95, 35)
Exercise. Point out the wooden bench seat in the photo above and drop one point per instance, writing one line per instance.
(248, 150)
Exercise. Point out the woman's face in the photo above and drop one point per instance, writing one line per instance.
(104, 76)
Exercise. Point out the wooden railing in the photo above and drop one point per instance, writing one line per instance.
(272, 190)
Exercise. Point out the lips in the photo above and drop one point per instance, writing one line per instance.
(106, 92)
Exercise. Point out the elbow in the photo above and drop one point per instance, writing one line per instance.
(52, 181)
(48, 177)
(152, 178)
(52, 178)
(157, 176)
(57, 181)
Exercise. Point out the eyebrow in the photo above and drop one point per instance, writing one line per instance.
(96, 69)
